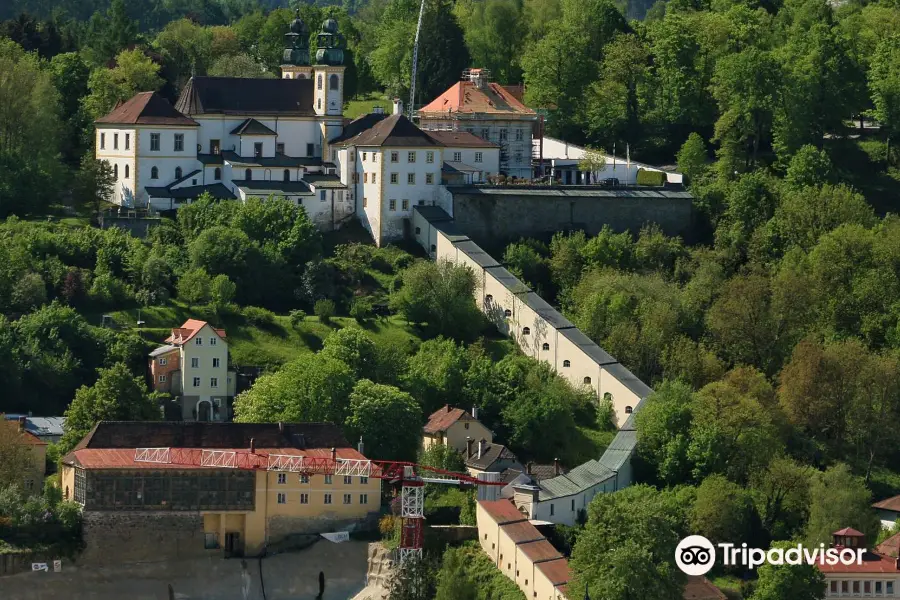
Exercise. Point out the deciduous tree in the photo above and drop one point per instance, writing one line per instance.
(386, 418)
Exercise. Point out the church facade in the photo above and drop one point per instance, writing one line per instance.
(237, 138)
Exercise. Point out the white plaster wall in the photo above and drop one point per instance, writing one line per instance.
(419, 192)
(490, 158)
(293, 132)
(368, 196)
(205, 352)
(248, 145)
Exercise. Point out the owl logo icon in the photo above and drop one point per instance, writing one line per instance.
(695, 555)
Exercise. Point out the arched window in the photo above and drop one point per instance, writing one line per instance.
(217, 174)
(488, 299)
(334, 83)
(567, 364)
(154, 173)
(319, 82)
(507, 313)
(127, 171)
(628, 410)
(116, 170)
(418, 230)
(587, 381)
(546, 346)
(526, 331)
(287, 174)
(433, 248)
(248, 174)
(607, 396)
(178, 172)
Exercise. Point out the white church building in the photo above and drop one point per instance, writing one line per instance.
(236, 138)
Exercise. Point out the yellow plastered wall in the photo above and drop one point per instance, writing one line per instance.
(487, 533)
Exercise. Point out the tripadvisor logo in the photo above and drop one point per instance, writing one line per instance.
(696, 555)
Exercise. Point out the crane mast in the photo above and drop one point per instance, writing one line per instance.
(415, 64)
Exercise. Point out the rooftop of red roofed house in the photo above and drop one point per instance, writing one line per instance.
(521, 532)
(701, 588)
(539, 551)
(557, 571)
(502, 511)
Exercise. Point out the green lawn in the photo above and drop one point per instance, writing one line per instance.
(730, 586)
(363, 105)
(251, 345)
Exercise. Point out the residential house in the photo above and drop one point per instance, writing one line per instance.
(486, 109)
(888, 511)
(878, 576)
(47, 429)
(192, 365)
(532, 475)
(452, 427)
(16, 432)
(489, 457)
(180, 509)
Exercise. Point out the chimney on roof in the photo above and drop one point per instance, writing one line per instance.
(556, 466)
(360, 447)
(469, 442)
(252, 445)
(447, 406)
(398, 106)
(22, 421)
(474, 412)
(480, 448)
(280, 426)
(334, 455)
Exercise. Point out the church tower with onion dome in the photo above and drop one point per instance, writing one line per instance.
(295, 61)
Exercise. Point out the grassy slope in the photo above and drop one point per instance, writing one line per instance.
(363, 106)
(251, 345)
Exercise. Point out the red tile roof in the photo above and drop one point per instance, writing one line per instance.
(700, 588)
(502, 511)
(557, 571)
(27, 437)
(871, 563)
(146, 108)
(444, 417)
(849, 532)
(539, 551)
(123, 458)
(890, 546)
(521, 531)
(466, 97)
(183, 334)
(888, 504)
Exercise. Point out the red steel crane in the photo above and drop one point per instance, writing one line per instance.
(411, 476)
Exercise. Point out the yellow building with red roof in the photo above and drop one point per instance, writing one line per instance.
(177, 490)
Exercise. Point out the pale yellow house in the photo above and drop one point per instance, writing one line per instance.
(15, 433)
(456, 428)
(234, 505)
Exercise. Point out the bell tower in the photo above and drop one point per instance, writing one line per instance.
(329, 85)
(295, 60)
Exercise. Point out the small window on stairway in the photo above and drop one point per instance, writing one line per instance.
(567, 363)
(587, 381)
(546, 346)
(628, 410)
(507, 313)
(526, 331)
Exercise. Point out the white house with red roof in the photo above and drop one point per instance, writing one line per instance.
(490, 111)
(878, 576)
(193, 367)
